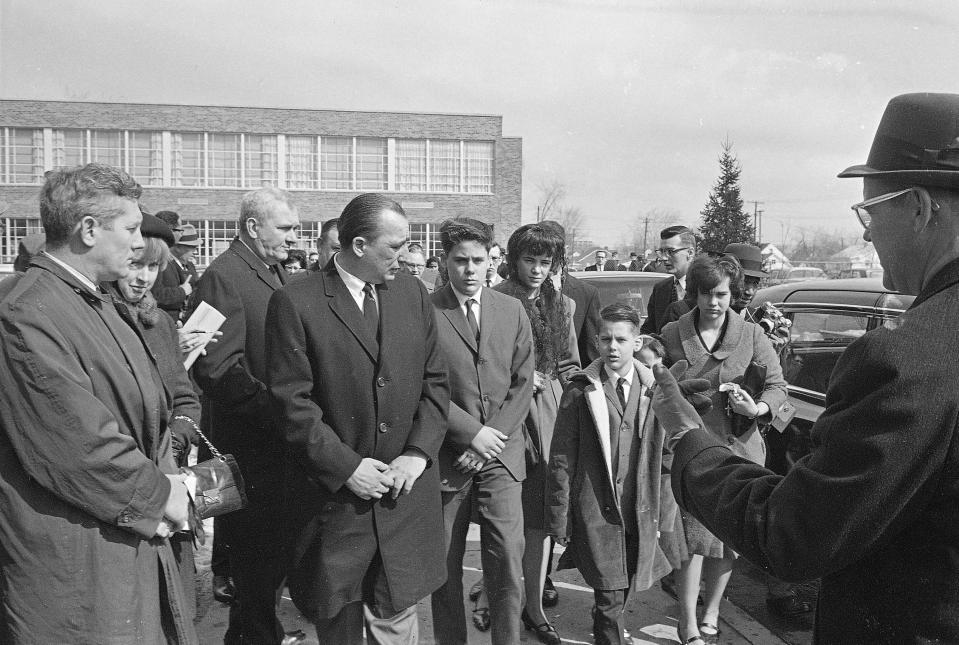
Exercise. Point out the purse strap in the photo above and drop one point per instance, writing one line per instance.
(213, 450)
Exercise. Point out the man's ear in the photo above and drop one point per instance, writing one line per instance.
(928, 210)
(88, 230)
(252, 227)
(359, 246)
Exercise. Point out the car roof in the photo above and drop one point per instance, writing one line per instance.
(849, 291)
(600, 275)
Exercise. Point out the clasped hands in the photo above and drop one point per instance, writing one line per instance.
(372, 478)
(486, 444)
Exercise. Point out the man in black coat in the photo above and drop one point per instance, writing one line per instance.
(362, 398)
(676, 249)
(238, 408)
(874, 509)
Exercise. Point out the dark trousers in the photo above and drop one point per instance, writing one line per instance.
(609, 603)
(220, 556)
(498, 500)
(384, 624)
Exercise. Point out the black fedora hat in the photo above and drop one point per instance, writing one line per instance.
(750, 258)
(917, 142)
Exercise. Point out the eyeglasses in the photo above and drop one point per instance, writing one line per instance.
(862, 208)
(664, 253)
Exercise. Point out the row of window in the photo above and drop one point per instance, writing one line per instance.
(215, 236)
(222, 160)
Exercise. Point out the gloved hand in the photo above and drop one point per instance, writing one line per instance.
(692, 388)
(673, 411)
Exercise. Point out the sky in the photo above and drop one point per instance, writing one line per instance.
(624, 103)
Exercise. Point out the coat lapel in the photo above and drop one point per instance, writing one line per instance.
(596, 404)
(453, 312)
(256, 264)
(344, 307)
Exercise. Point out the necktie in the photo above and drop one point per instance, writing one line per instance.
(621, 393)
(489, 282)
(370, 312)
(678, 289)
(471, 319)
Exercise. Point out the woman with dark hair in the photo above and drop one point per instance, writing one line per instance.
(535, 254)
(719, 346)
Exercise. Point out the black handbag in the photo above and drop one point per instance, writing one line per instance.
(219, 482)
(753, 382)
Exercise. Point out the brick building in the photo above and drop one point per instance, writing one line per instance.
(199, 160)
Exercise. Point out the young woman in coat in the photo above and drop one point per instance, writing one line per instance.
(719, 346)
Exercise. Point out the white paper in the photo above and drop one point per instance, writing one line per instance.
(205, 319)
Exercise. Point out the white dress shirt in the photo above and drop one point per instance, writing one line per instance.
(354, 285)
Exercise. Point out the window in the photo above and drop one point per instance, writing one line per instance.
(215, 238)
(479, 166)
(106, 146)
(444, 166)
(371, 164)
(21, 161)
(307, 235)
(146, 157)
(817, 339)
(411, 164)
(301, 161)
(15, 228)
(336, 163)
(427, 235)
(188, 152)
(224, 160)
(259, 160)
(69, 148)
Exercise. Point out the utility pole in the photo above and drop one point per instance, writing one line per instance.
(645, 231)
(757, 224)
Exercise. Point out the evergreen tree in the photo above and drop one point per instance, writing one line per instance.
(723, 218)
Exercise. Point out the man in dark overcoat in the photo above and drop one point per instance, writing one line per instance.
(85, 506)
(232, 374)
(362, 398)
(874, 509)
(486, 339)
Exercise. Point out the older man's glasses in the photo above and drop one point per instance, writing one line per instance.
(670, 253)
(862, 208)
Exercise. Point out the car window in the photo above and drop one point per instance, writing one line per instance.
(817, 339)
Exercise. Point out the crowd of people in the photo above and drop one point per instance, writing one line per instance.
(378, 401)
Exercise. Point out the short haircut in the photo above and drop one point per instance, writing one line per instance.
(170, 217)
(260, 203)
(535, 239)
(620, 312)
(415, 247)
(705, 273)
(361, 217)
(687, 236)
(603, 251)
(465, 229)
(70, 194)
(655, 346)
(496, 244)
(328, 226)
(155, 250)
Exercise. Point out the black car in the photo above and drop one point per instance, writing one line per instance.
(631, 287)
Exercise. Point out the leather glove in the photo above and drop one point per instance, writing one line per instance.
(692, 388)
(673, 411)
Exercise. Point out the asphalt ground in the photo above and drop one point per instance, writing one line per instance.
(650, 615)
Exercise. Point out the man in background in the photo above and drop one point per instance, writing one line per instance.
(600, 262)
(238, 408)
(327, 244)
(677, 248)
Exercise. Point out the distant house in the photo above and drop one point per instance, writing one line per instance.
(773, 258)
(858, 260)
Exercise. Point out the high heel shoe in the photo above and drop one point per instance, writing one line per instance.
(545, 633)
(691, 640)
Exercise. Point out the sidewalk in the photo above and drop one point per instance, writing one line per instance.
(650, 615)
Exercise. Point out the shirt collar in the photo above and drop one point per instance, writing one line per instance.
(255, 254)
(462, 298)
(84, 280)
(614, 377)
(354, 284)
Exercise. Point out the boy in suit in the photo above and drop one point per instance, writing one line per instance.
(486, 339)
(608, 495)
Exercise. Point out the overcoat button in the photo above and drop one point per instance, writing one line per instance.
(381, 381)
(384, 427)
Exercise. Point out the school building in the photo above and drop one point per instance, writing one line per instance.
(200, 160)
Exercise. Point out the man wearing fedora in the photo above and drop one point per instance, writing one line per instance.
(176, 282)
(874, 509)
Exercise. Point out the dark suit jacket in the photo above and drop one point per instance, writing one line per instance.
(874, 509)
(341, 396)
(591, 267)
(169, 295)
(586, 316)
(491, 384)
(232, 376)
(663, 294)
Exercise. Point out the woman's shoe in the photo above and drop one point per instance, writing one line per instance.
(691, 640)
(710, 632)
(481, 618)
(545, 633)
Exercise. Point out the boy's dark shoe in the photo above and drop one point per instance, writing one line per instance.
(550, 595)
(223, 590)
